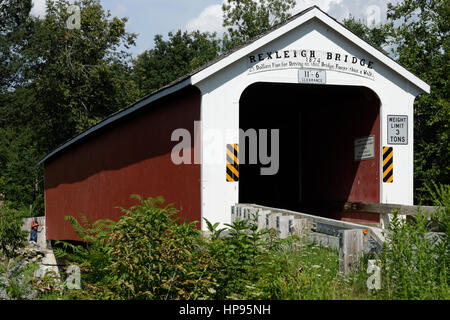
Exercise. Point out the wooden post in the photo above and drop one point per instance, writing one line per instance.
(233, 213)
(351, 246)
(302, 226)
(284, 226)
(262, 219)
(274, 221)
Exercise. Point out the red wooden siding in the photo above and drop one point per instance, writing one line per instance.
(131, 156)
(330, 131)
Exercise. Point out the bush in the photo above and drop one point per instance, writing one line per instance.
(17, 280)
(441, 199)
(150, 254)
(93, 255)
(414, 261)
(158, 257)
(256, 264)
(147, 254)
(244, 257)
(12, 238)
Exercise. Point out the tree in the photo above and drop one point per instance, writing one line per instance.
(421, 38)
(14, 32)
(417, 32)
(20, 179)
(376, 36)
(12, 237)
(183, 52)
(170, 59)
(246, 19)
(78, 76)
(72, 78)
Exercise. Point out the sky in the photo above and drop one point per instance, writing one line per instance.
(147, 18)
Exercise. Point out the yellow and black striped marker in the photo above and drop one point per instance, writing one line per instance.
(232, 163)
(388, 164)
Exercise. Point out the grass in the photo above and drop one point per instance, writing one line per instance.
(298, 272)
(311, 272)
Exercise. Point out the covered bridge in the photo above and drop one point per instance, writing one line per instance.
(336, 113)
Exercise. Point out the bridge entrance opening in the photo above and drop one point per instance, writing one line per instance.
(329, 142)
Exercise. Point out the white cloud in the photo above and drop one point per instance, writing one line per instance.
(360, 9)
(38, 9)
(210, 19)
(322, 4)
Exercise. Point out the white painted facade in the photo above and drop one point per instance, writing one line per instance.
(222, 84)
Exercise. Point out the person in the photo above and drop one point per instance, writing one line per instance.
(34, 230)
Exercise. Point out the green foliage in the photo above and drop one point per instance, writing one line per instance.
(309, 272)
(415, 262)
(146, 254)
(245, 19)
(418, 34)
(58, 82)
(441, 199)
(406, 273)
(421, 39)
(156, 256)
(150, 254)
(256, 264)
(48, 287)
(12, 237)
(17, 178)
(14, 33)
(376, 36)
(77, 76)
(171, 59)
(20, 178)
(239, 257)
(20, 283)
(184, 52)
(93, 257)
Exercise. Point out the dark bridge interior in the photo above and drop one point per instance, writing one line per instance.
(318, 125)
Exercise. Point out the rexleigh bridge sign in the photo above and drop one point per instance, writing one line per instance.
(317, 59)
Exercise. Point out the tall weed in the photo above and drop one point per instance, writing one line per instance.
(415, 261)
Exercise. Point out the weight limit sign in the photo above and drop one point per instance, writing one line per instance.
(397, 129)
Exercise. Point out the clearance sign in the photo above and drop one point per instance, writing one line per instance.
(317, 59)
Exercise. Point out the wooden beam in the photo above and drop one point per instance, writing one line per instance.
(384, 208)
